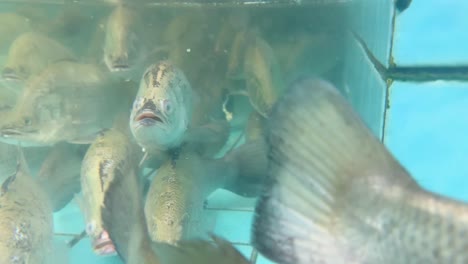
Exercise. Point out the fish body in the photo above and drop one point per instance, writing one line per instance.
(29, 54)
(68, 102)
(110, 154)
(26, 226)
(263, 76)
(335, 194)
(175, 200)
(59, 174)
(123, 216)
(124, 45)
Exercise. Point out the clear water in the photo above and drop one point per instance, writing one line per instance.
(402, 114)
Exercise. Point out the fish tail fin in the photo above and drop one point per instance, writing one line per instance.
(321, 158)
(381, 69)
(250, 160)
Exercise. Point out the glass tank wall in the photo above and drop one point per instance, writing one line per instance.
(421, 122)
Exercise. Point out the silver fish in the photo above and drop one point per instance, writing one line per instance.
(123, 217)
(109, 155)
(175, 200)
(163, 111)
(124, 46)
(335, 194)
(30, 53)
(26, 226)
(68, 101)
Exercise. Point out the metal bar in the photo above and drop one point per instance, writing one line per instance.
(185, 3)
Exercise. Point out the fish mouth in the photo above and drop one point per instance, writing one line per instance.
(148, 118)
(11, 132)
(103, 245)
(11, 77)
(120, 67)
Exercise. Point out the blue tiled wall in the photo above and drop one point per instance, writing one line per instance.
(426, 125)
(427, 132)
(432, 32)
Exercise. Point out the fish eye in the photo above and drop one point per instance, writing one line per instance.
(167, 106)
(91, 228)
(27, 121)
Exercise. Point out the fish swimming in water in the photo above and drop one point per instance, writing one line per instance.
(57, 106)
(124, 46)
(161, 118)
(29, 54)
(123, 217)
(110, 154)
(263, 75)
(175, 201)
(335, 194)
(59, 175)
(26, 224)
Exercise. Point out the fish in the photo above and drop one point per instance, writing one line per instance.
(335, 194)
(29, 54)
(264, 80)
(124, 45)
(56, 106)
(59, 174)
(26, 224)
(123, 217)
(163, 110)
(175, 200)
(111, 154)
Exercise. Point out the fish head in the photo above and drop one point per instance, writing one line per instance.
(100, 240)
(25, 57)
(123, 45)
(162, 109)
(19, 128)
(33, 120)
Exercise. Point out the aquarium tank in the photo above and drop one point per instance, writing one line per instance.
(166, 131)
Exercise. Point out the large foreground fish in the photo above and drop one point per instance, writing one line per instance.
(335, 194)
